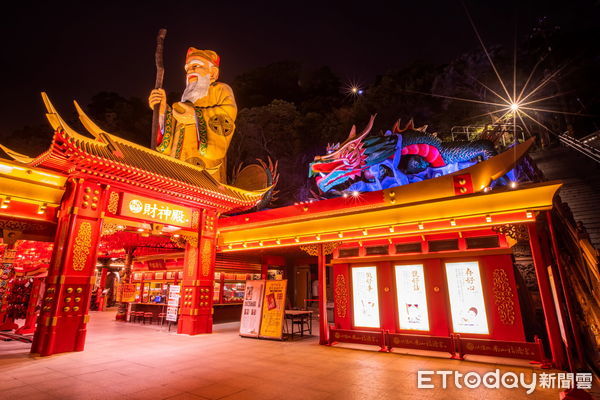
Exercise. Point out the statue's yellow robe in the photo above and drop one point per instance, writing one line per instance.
(204, 142)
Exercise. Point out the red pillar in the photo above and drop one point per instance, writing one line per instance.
(64, 315)
(198, 278)
(322, 276)
(552, 327)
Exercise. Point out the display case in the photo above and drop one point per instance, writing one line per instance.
(151, 292)
(233, 291)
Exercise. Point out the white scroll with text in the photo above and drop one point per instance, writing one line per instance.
(365, 297)
(467, 304)
(411, 297)
(173, 303)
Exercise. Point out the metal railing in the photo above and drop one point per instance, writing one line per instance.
(580, 146)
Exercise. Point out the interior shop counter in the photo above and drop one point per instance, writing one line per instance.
(227, 312)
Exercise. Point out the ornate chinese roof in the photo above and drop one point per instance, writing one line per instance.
(110, 158)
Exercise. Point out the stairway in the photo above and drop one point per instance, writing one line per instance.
(581, 189)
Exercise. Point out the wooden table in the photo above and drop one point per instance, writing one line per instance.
(301, 318)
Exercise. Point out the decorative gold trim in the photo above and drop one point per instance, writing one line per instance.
(517, 232)
(313, 249)
(108, 228)
(195, 219)
(113, 202)
(190, 262)
(83, 243)
(503, 297)
(341, 296)
(191, 238)
(206, 256)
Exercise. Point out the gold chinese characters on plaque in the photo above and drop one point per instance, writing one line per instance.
(155, 210)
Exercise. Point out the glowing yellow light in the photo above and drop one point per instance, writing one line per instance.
(488, 218)
(514, 107)
(513, 185)
(453, 222)
(529, 214)
(355, 193)
(5, 202)
(42, 208)
(140, 230)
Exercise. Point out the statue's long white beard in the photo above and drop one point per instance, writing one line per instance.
(197, 89)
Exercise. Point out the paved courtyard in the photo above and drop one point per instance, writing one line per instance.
(129, 361)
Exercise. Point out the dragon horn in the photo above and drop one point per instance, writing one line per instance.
(409, 125)
(369, 126)
(422, 128)
(352, 134)
(396, 128)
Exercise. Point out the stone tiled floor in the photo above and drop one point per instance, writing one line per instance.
(128, 361)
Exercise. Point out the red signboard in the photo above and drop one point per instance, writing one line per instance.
(156, 265)
(432, 343)
(359, 337)
(155, 210)
(497, 348)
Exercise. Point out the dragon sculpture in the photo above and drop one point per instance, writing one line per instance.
(398, 157)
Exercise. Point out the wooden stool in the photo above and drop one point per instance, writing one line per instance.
(135, 315)
(148, 316)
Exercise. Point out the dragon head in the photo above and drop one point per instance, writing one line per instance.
(343, 162)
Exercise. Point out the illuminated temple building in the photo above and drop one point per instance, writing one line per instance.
(431, 265)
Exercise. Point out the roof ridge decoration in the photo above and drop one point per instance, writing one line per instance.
(109, 156)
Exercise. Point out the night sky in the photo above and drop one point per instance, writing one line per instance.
(74, 50)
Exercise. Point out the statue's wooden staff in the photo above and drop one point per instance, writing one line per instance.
(160, 73)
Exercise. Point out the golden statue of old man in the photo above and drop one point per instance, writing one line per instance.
(198, 129)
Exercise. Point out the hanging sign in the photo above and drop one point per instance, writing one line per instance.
(252, 307)
(173, 303)
(273, 309)
(412, 300)
(155, 210)
(467, 304)
(365, 297)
